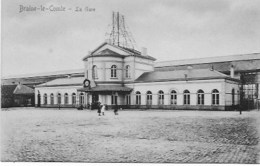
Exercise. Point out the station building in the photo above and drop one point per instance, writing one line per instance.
(131, 79)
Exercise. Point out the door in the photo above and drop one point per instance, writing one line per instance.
(39, 100)
(95, 100)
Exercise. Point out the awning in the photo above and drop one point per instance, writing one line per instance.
(106, 88)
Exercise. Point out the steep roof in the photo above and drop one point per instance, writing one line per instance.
(182, 75)
(63, 82)
(22, 89)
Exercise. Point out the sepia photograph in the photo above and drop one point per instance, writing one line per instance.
(130, 81)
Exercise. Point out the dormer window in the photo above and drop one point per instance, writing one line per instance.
(113, 71)
(127, 72)
(94, 72)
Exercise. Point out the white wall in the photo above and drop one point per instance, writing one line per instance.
(229, 85)
(55, 90)
(179, 86)
(138, 66)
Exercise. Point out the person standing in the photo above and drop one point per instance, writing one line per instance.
(116, 109)
(99, 108)
(103, 109)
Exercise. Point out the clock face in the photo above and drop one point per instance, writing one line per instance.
(86, 83)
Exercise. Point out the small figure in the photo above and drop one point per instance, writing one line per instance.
(103, 109)
(99, 108)
(80, 107)
(116, 109)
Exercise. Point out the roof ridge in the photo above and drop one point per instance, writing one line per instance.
(214, 59)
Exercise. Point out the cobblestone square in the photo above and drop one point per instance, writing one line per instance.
(148, 136)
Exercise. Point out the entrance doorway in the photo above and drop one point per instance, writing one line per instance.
(95, 100)
(39, 100)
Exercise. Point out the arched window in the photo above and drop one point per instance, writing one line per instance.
(39, 99)
(128, 99)
(138, 98)
(52, 99)
(94, 72)
(81, 99)
(114, 97)
(161, 97)
(113, 71)
(215, 97)
(233, 96)
(173, 97)
(45, 99)
(73, 99)
(186, 97)
(66, 98)
(149, 98)
(200, 97)
(127, 72)
(59, 98)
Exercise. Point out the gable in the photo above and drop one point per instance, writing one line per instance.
(107, 48)
(107, 52)
(22, 89)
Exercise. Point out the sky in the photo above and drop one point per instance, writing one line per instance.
(38, 42)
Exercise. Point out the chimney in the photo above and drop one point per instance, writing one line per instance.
(212, 68)
(19, 85)
(108, 41)
(186, 77)
(144, 51)
(232, 72)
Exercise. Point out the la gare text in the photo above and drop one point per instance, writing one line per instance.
(53, 8)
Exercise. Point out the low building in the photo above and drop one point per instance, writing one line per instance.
(116, 75)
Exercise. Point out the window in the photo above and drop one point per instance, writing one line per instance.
(161, 97)
(200, 97)
(114, 98)
(59, 98)
(127, 72)
(149, 98)
(52, 99)
(215, 97)
(113, 71)
(81, 99)
(73, 99)
(233, 96)
(66, 99)
(45, 99)
(186, 97)
(94, 72)
(128, 99)
(250, 91)
(138, 98)
(173, 97)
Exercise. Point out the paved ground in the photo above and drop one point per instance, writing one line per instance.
(30, 134)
